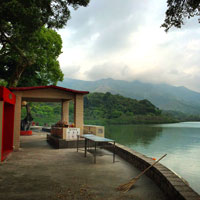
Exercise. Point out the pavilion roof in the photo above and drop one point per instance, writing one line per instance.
(49, 86)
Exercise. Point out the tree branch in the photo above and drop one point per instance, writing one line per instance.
(17, 49)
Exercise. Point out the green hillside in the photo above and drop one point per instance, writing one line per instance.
(116, 109)
(100, 109)
(164, 96)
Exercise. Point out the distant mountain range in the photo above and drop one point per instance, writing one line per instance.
(164, 96)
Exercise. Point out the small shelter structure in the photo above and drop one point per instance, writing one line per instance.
(7, 109)
(48, 94)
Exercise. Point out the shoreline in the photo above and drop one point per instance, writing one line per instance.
(173, 185)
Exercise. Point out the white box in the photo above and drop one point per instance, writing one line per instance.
(71, 133)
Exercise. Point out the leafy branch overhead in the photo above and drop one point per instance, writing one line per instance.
(178, 10)
(25, 28)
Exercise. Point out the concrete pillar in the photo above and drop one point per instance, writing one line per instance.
(78, 112)
(65, 111)
(17, 123)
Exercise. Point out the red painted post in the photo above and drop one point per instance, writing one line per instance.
(7, 109)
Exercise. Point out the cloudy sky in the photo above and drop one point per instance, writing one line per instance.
(123, 40)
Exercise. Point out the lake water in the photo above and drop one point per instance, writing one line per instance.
(181, 142)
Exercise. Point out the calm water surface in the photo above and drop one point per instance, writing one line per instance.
(181, 141)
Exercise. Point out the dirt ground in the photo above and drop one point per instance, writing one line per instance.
(38, 171)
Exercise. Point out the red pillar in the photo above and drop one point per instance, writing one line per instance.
(7, 109)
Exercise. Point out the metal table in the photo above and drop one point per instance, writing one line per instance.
(95, 139)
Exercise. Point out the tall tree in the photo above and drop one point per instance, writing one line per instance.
(44, 48)
(178, 10)
(21, 23)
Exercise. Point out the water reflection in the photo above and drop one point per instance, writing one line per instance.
(133, 134)
(180, 141)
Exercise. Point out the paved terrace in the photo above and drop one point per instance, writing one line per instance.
(40, 172)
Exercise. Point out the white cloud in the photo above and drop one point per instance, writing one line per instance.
(123, 40)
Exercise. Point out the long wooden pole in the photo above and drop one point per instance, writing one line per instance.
(149, 167)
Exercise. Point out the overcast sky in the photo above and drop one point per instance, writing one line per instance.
(123, 40)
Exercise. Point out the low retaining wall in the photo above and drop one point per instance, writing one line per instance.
(59, 143)
(172, 185)
(46, 129)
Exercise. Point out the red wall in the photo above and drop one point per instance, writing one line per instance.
(9, 100)
(8, 125)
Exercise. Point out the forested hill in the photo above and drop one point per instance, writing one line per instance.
(164, 96)
(102, 108)
(108, 108)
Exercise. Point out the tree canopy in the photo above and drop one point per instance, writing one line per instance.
(25, 28)
(113, 106)
(44, 48)
(178, 10)
(28, 16)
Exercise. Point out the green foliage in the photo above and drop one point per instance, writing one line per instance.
(46, 69)
(44, 113)
(110, 106)
(47, 113)
(45, 47)
(26, 39)
(102, 109)
(164, 96)
(3, 83)
(115, 109)
(142, 119)
(181, 116)
(26, 17)
(178, 10)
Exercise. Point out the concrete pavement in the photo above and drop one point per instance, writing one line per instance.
(38, 171)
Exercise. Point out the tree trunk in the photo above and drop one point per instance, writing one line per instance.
(13, 82)
(25, 62)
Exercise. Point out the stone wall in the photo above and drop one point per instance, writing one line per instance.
(172, 185)
(59, 143)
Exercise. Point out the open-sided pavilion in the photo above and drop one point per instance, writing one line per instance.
(48, 94)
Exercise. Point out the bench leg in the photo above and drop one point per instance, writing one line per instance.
(113, 152)
(85, 147)
(95, 149)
